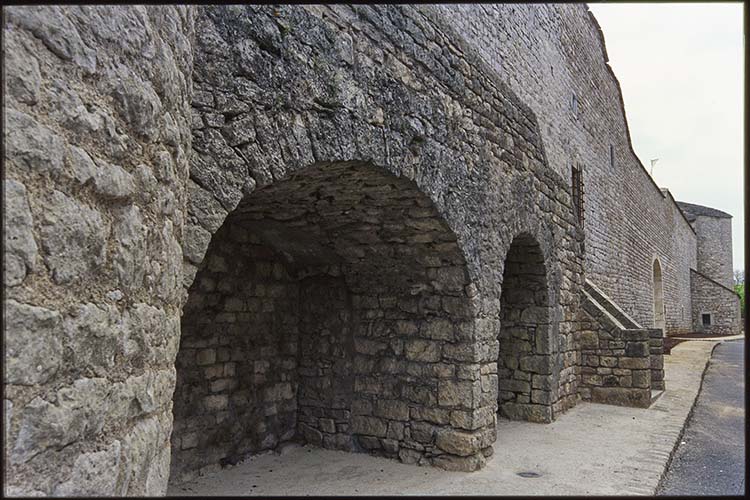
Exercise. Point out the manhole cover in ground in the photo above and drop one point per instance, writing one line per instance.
(528, 474)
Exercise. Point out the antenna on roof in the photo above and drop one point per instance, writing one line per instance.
(653, 162)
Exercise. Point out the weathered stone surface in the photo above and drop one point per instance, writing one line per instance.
(55, 29)
(130, 253)
(73, 238)
(387, 248)
(205, 207)
(31, 145)
(20, 250)
(461, 394)
(45, 425)
(457, 442)
(459, 463)
(94, 474)
(33, 347)
(112, 181)
(22, 70)
(369, 425)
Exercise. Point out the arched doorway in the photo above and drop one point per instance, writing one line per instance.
(659, 319)
(524, 363)
(319, 314)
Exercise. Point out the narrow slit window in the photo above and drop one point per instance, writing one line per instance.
(611, 156)
(577, 183)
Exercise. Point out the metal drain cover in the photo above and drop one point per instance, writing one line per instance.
(528, 474)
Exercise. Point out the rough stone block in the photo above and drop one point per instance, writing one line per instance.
(463, 394)
(33, 352)
(621, 396)
(371, 426)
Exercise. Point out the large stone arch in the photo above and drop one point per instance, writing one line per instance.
(328, 104)
(657, 282)
(334, 307)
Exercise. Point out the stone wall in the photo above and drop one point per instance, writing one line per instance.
(722, 303)
(359, 103)
(715, 248)
(616, 360)
(96, 143)
(553, 57)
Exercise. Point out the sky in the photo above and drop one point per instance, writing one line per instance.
(681, 69)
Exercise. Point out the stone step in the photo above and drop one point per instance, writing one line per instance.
(610, 305)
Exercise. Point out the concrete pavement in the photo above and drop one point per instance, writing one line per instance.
(591, 449)
(710, 459)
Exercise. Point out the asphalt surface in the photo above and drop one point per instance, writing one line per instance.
(710, 459)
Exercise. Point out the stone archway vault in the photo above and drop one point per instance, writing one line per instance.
(331, 307)
(525, 364)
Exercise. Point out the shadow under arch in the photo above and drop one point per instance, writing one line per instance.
(331, 307)
(526, 359)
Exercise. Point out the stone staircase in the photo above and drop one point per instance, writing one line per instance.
(622, 361)
(609, 305)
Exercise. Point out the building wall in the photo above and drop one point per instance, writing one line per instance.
(715, 248)
(96, 135)
(104, 112)
(711, 297)
(548, 54)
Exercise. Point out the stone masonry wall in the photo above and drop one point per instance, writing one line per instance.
(553, 57)
(327, 110)
(711, 297)
(715, 248)
(616, 365)
(96, 142)
(100, 116)
(522, 376)
(237, 364)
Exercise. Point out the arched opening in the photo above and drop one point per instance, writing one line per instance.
(659, 316)
(319, 314)
(524, 365)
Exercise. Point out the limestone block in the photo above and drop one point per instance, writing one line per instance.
(78, 413)
(73, 238)
(94, 474)
(144, 456)
(472, 420)
(392, 409)
(31, 145)
(95, 336)
(22, 69)
(622, 396)
(536, 364)
(422, 432)
(207, 209)
(195, 243)
(372, 426)
(20, 249)
(458, 463)
(33, 344)
(55, 29)
(130, 253)
(457, 442)
(634, 363)
(113, 181)
(438, 416)
(437, 329)
(422, 350)
(527, 412)
(463, 394)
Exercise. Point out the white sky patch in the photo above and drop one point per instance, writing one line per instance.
(681, 69)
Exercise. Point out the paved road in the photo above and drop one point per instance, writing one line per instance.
(710, 459)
